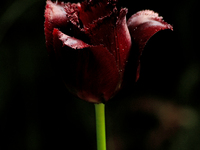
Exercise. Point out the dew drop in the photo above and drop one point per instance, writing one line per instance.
(135, 29)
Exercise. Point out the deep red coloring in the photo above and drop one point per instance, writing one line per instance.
(90, 43)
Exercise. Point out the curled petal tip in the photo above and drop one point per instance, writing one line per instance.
(148, 19)
(142, 26)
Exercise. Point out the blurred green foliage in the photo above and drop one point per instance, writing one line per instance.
(159, 112)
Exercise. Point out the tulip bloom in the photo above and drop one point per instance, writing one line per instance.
(90, 42)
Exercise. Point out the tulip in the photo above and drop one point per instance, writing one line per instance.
(90, 43)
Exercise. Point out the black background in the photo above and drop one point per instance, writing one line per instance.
(160, 111)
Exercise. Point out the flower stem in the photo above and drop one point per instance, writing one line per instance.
(100, 126)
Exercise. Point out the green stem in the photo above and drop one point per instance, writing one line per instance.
(100, 126)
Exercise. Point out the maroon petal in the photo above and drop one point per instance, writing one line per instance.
(94, 9)
(112, 32)
(55, 16)
(122, 39)
(142, 26)
(58, 15)
(90, 72)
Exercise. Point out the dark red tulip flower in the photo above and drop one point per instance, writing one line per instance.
(90, 42)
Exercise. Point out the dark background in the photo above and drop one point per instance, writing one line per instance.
(159, 112)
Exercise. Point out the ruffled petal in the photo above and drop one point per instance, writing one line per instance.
(112, 32)
(142, 26)
(59, 15)
(93, 10)
(55, 16)
(88, 71)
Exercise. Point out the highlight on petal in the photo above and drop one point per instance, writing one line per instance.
(70, 41)
(142, 26)
(84, 71)
(59, 15)
(55, 16)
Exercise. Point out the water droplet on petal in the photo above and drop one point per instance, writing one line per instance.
(135, 29)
